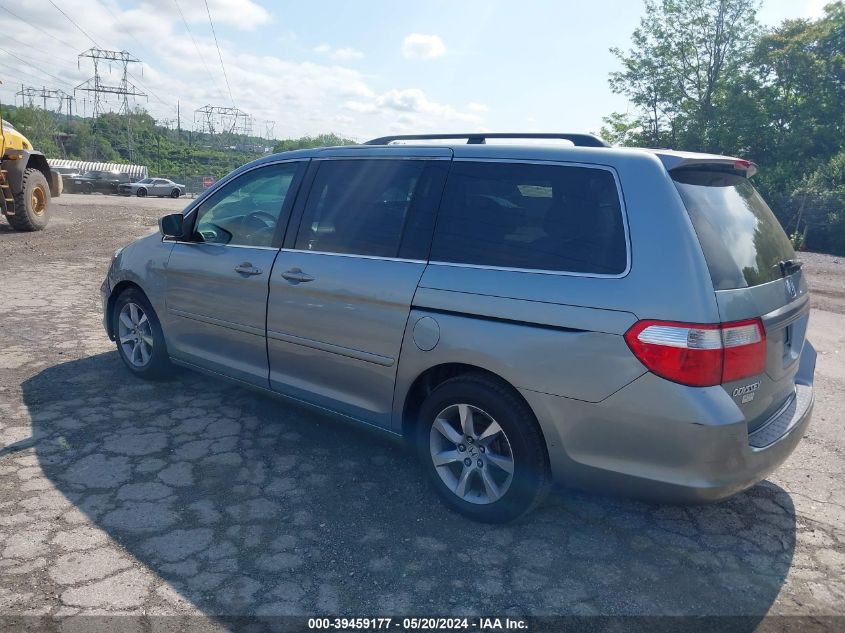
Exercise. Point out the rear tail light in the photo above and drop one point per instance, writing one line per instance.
(700, 355)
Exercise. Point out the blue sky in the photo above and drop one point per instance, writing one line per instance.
(361, 68)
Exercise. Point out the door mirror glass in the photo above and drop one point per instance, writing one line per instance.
(171, 225)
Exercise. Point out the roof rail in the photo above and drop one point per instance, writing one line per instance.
(480, 138)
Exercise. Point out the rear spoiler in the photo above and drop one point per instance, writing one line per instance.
(685, 160)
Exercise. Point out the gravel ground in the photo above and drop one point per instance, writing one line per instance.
(193, 497)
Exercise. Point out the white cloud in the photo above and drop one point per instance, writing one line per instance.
(244, 15)
(411, 110)
(474, 106)
(301, 97)
(344, 54)
(423, 46)
(361, 108)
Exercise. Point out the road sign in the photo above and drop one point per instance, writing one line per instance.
(207, 181)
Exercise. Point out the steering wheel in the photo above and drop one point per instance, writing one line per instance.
(260, 220)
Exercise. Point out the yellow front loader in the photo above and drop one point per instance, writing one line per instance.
(27, 184)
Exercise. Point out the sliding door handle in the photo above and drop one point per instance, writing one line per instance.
(296, 275)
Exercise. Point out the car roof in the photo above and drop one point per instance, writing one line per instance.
(545, 149)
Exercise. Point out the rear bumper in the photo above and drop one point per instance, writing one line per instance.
(658, 440)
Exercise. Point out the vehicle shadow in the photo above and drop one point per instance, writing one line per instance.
(250, 505)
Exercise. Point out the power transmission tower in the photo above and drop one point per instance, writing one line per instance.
(101, 90)
(269, 128)
(216, 119)
(28, 94)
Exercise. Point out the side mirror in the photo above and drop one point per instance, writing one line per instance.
(171, 225)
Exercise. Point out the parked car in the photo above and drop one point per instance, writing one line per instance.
(626, 319)
(67, 172)
(96, 182)
(160, 187)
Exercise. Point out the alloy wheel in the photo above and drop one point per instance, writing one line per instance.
(135, 334)
(471, 454)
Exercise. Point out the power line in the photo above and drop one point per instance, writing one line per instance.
(132, 35)
(22, 60)
(36, 27)
(40, 60)
(81, 30)
(16, 69)
(86, 34)
(196, 46)
(219, 54)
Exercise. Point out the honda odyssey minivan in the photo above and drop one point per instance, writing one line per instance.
(626, 319)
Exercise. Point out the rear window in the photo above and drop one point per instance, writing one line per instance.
(531, 216)
(742, 240)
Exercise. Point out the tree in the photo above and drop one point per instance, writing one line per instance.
(38, 126)
(321, 140)
(685, 56)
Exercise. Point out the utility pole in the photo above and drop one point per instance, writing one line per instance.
(100, 89)
(178, 121)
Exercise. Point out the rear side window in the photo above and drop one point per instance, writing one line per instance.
(360, 207)
(743, 242)
(531, 216)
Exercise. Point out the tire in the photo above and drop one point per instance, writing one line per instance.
(141, 193)
(32, 203)
(88, 188)
(488, 402)
(153, 365)
(175, 193)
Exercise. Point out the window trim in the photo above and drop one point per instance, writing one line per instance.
(378, 257)
(303, 164)
(562, 273)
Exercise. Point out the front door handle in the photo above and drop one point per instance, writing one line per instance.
(247, 269)
(297, 276)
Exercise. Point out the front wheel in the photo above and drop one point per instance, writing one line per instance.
(139, 337)
(482, 449)
(32, 203)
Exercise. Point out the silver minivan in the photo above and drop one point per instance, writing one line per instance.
(626, 319)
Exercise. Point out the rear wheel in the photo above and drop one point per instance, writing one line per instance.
(139, 337)
(32, 202)
(175, 193)
(88, 188)
(141, 193)
(482, 449)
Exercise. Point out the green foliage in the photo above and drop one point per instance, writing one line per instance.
(168, 153)
(306, 142)
(38, 126)
(685, 55)
(704, 76)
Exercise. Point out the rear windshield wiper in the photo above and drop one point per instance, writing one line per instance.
(789, 266)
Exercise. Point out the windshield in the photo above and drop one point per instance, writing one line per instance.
(145, 181)
(742, 240)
